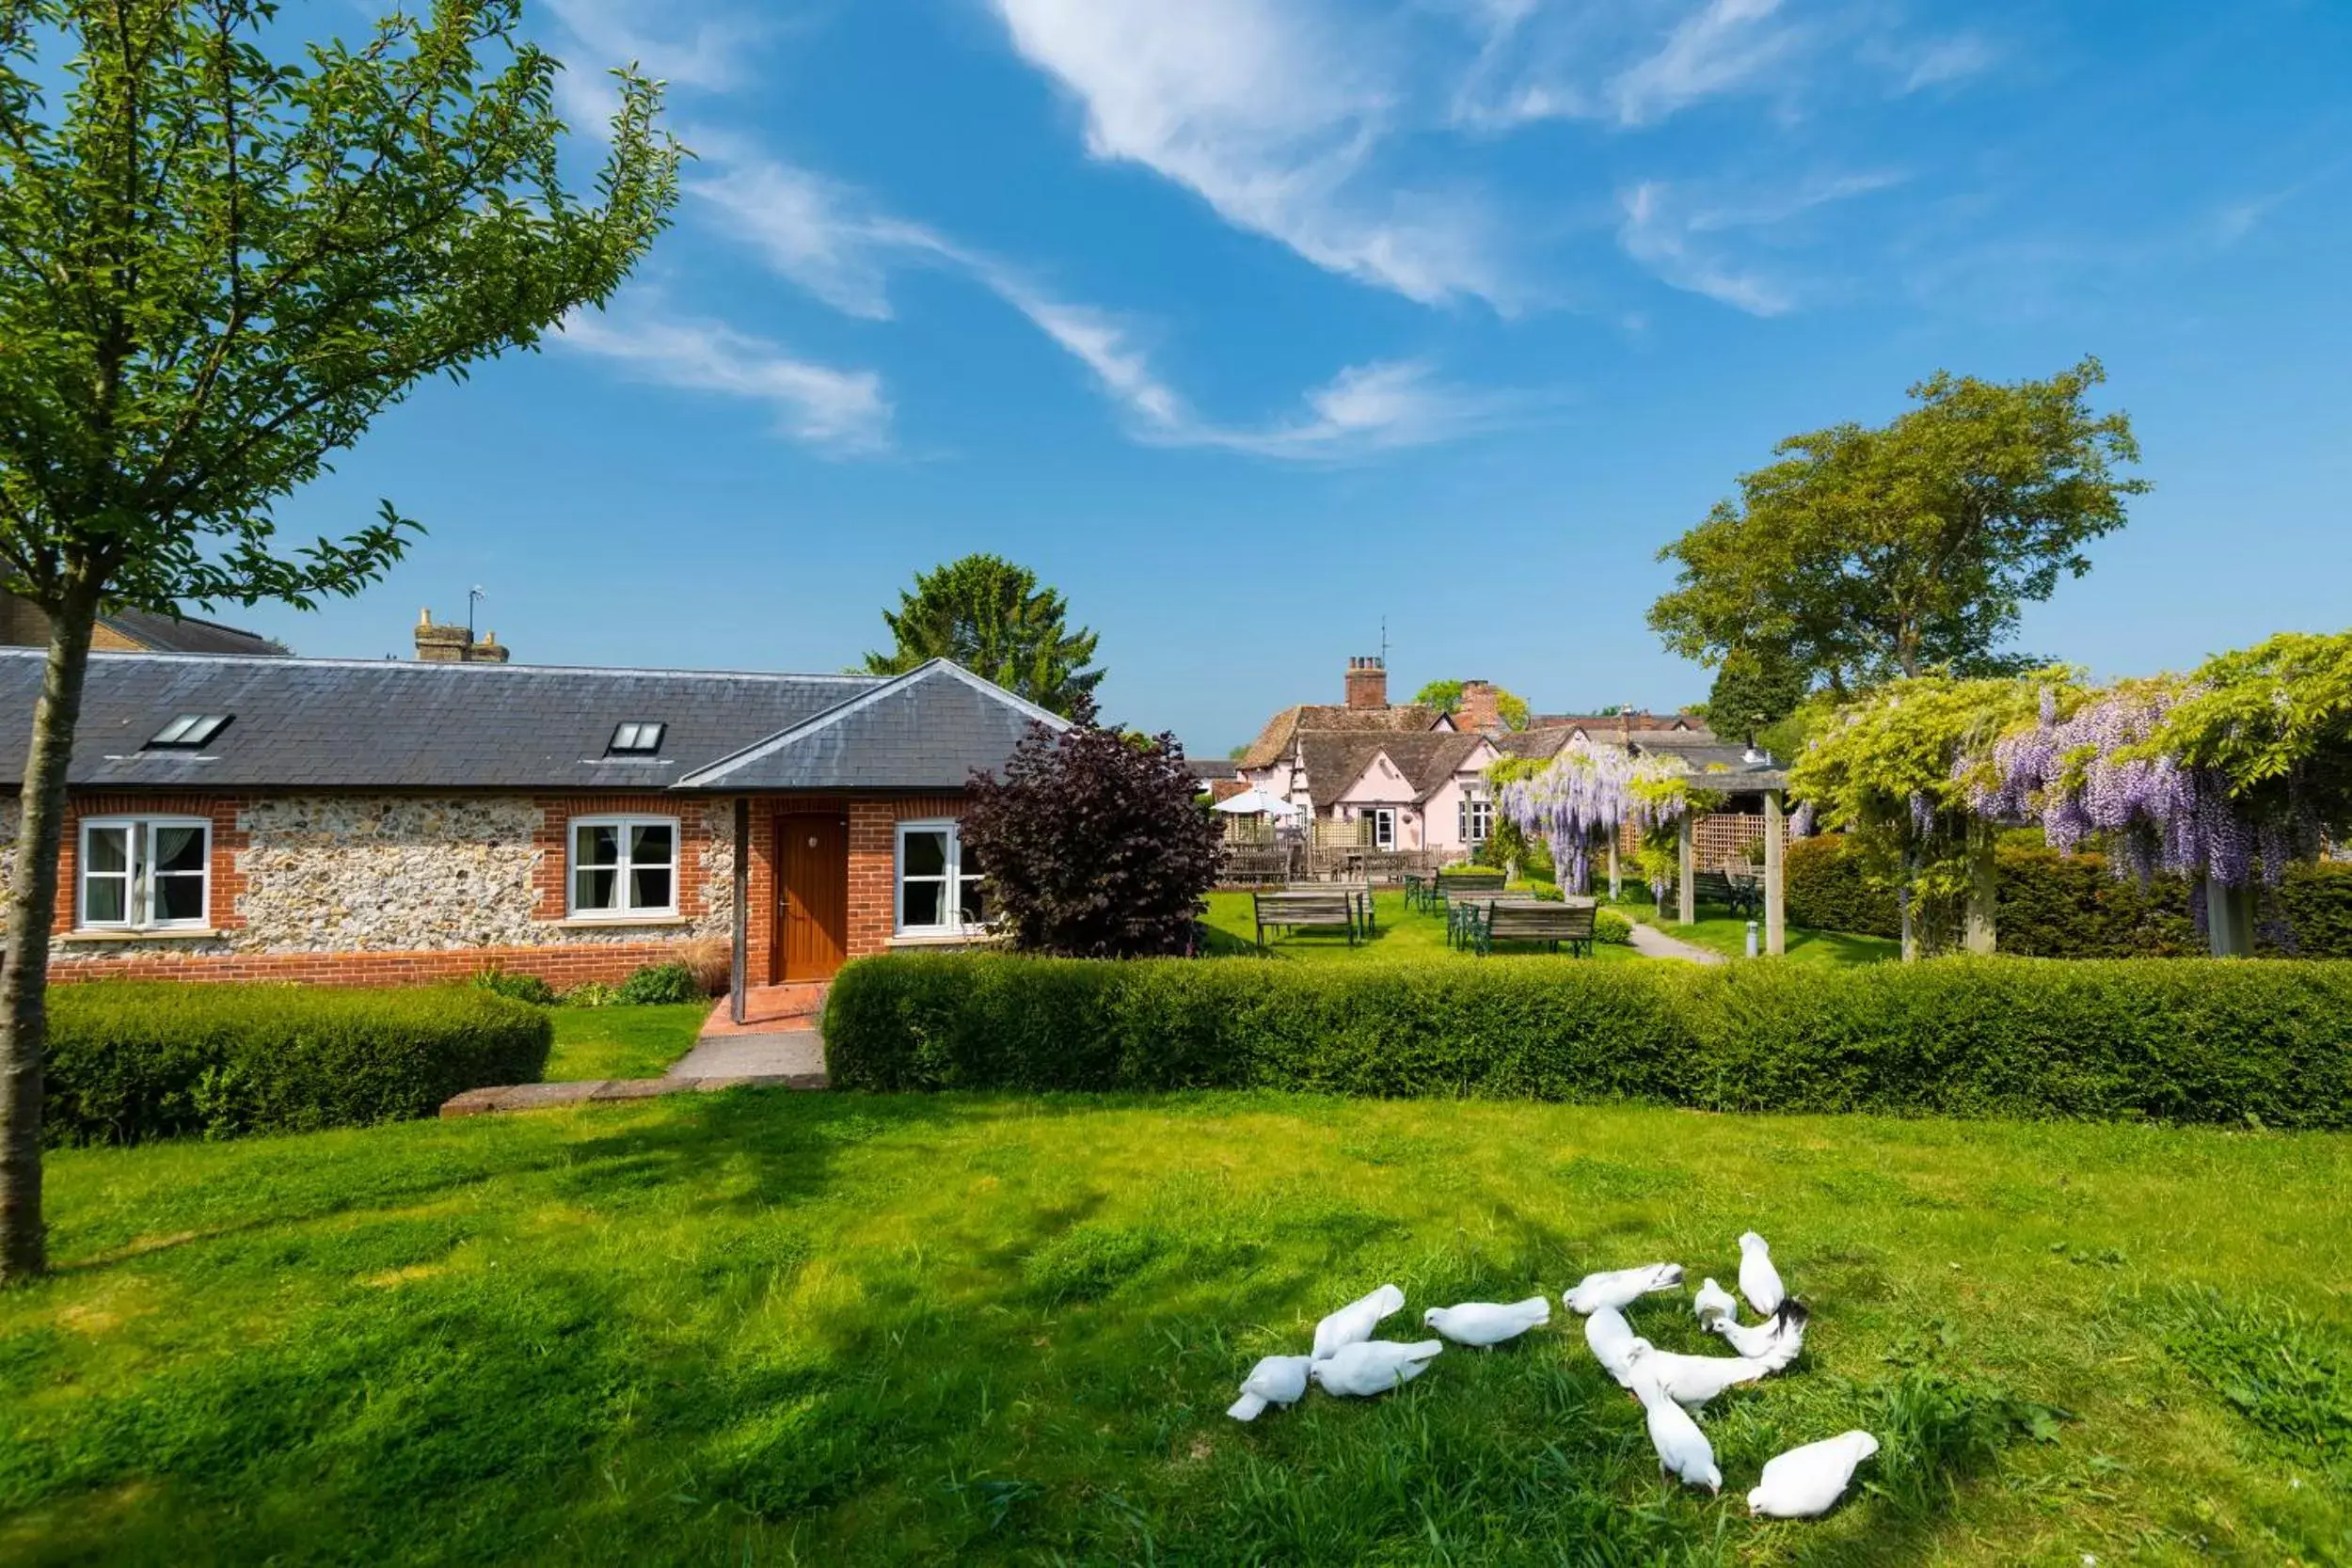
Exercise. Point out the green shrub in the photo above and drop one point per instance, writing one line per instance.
(516, 987)
(658, 984)
(592, 993)
(2314, 904)
(2054, 906)
(1612, 927)
(1828, 892)
(129, 1061)
(2184, 1041)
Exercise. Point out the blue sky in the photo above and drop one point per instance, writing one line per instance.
(1250, 322)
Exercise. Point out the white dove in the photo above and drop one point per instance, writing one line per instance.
(1612, 1343)
(1785, 1327)
(1807, 1482)
(1713, 1300)
(1353, 1323)
(1683, 1450)
(1622, 1288)
(1758, 1280)
(1488, 1324)
(1691, 1380)
(1276, 1380)
(1374, 1366)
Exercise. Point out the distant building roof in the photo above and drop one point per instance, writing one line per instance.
(1275, 741)
(186, 634)
(1209, 769)
(1632, 723)
(1427, 760)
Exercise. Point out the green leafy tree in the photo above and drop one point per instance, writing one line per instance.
(991, 616)
(1870, 552)
(1755, 688)
(221, 266)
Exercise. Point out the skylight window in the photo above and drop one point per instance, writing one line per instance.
(190, 730)
(637, 740)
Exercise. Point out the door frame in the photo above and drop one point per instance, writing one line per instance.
(781, 824)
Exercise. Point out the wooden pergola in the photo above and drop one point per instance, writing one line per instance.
(1772, 785)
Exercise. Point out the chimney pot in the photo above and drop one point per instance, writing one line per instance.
(1367, 683)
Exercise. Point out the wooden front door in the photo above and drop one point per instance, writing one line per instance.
(813, 924)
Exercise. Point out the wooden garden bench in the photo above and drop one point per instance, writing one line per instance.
(1530, 920)
(1294, 908)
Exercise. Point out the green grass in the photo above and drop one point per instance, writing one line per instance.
(1723, 932)
(622, 1042)
(1399, 932)
(832, 1329)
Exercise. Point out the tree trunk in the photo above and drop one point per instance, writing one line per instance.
(24, 971)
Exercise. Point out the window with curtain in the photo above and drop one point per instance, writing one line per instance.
(940, 889)
(624, 867)
(144, 874)
(1478, 821)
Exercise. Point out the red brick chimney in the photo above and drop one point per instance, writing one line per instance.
(1367, 683)
(1481, 712)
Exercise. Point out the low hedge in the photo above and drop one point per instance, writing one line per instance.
(131, 1061)
(2176, 1041)
(2054, 906)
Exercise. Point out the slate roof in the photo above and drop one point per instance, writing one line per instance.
(1211, 769)
(1274, 742)
(927, 729)
(312, 723)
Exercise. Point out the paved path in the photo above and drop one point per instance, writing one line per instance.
(791, 1053)
(1651, 942)
(777, 1046)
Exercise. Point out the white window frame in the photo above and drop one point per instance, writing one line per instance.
(623, 867)
(138, 889)
(1384, 818)
(952, 877)
(1474, 812)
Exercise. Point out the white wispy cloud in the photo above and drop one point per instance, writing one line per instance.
(1271, 113)
(1949, 59)
(1723, 46)
(709, 53)
(1659, 237)
(837, 411)
(838, 244)
(1688, 242)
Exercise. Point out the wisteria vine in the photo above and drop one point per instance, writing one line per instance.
(2090, 774)
(1584, 795)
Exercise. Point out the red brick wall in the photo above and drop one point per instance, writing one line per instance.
(874, 863)
(559, 966)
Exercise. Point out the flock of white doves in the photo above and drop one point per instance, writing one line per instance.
(1799, 1485)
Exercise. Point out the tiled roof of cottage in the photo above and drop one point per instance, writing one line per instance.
(1427, 760)
(310, 723)
(1274, 741)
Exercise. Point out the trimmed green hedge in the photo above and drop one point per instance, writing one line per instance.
(129, 1061)
(2177, 1041)
(1827, 891)
(2054, 906)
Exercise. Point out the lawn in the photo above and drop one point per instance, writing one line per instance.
(622, 1042)
(1399, 932)
(1727, 934)
(825, 1328)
